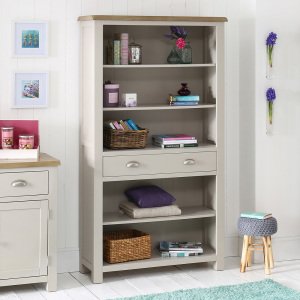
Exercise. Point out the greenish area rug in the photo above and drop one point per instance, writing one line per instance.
(264, 290)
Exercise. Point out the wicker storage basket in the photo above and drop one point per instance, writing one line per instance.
(124, 139)
(126, 245)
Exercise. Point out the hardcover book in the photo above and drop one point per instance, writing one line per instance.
(184, 98)
(184, 103)
(180, 254)
(256, 215)
(192, 141)
(180, 246)
(172, 137)
(174, 145)
(117, 53)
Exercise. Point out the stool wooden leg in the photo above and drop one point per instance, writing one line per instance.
(271, 259)
(266, 255)
(249, 252)
(244, 254)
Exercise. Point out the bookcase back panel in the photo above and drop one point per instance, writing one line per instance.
(154, 85)
(156, 47)
(188, 192)
(179, 230)
(190, 121)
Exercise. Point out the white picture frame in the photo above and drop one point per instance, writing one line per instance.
(30, 39)
(30, 90)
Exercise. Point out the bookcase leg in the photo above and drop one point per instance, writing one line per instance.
(97, 277)
(219, 264)
(83, 269)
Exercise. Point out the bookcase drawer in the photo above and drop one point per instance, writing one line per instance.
(17, 184)
(157, 164)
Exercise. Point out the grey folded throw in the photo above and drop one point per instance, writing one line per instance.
(136, 212)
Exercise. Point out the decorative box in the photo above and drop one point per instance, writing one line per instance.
(129, 99)
(21, 128)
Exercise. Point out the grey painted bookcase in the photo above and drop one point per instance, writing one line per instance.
(195, 176)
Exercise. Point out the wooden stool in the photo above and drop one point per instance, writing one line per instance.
(250, 245)
(252, 228)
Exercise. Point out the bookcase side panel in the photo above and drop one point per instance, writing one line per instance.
(90, 136)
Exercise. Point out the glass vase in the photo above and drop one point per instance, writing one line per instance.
(185, 54)
(269, 64)
(173, 57)
(269, 118)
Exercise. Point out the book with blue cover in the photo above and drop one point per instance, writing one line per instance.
(256, 215)
(132, 124)
(184, 103)
(184, 98)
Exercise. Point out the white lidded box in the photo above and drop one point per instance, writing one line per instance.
(129, 99)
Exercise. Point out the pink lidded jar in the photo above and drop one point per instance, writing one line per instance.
(7, 134)
(110, 94)
(26, 141)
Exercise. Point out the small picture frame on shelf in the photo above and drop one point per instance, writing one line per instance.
(30, 39)
(30, 90)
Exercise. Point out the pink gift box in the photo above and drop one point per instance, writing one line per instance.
(21, 127)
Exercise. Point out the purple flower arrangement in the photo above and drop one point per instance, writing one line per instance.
(270, 42)
(179, 34)
(271, 96)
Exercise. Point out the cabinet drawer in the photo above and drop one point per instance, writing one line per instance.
(23, 184)
(163, 163)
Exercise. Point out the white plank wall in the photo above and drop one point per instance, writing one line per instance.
(59, 123)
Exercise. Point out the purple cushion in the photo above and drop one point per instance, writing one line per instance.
(149, 196)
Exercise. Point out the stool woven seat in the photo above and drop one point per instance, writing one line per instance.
(251, 228)
(257, 227)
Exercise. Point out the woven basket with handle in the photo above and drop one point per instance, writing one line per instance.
(126, 245)
(125, 139)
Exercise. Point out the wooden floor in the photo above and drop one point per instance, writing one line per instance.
(156, 280)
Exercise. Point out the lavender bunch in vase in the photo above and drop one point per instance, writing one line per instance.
(271, 96)
(270, 42)
(182, 52)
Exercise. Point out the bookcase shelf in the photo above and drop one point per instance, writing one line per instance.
(105, 174)
(116, 218)
(159, 107)
(156, 260)
(159, 66)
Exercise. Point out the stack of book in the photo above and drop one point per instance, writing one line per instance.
(180, 249)
(127, 124)
(189, 100)
(174, 141)
(256, 215)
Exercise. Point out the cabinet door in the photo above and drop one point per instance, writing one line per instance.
(23, 239)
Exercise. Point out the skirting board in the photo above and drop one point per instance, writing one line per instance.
(232, 246)
(68, 260)
(284, 248)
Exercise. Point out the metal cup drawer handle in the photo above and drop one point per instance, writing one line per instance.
(19, 183)
(189, 162)
(133, 164)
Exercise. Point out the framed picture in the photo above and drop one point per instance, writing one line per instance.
(31, 39)
(30, 90)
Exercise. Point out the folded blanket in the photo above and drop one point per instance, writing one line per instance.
(136, 212)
